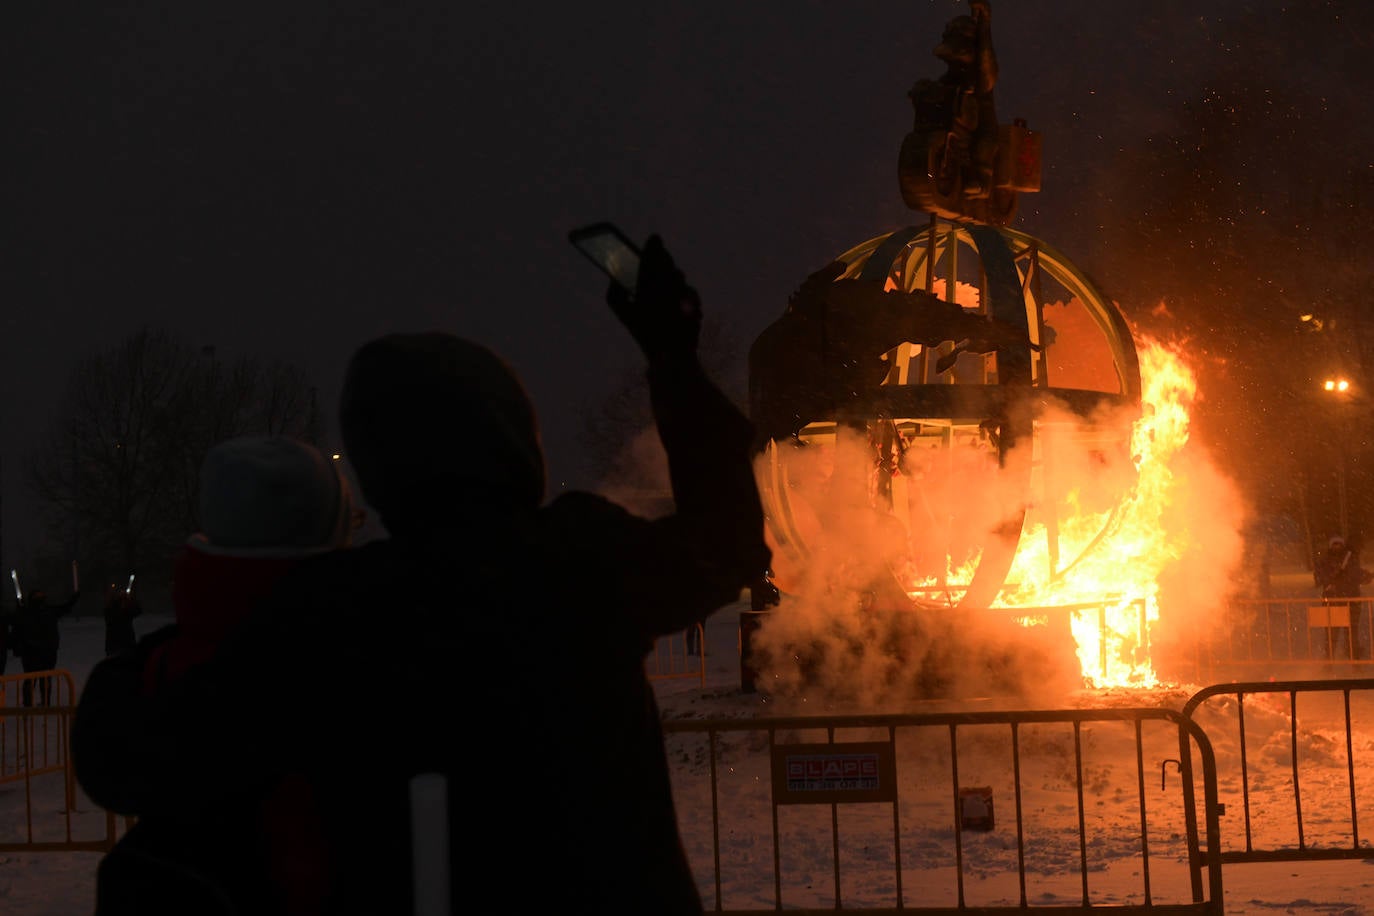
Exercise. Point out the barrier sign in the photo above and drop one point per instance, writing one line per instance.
(834, 773)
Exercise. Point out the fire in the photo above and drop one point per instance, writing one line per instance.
(1105, 500)
(1122, 551)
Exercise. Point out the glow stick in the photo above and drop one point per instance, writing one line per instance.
(18, 595)
(129, 589)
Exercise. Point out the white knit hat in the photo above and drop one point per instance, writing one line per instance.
(271, 496)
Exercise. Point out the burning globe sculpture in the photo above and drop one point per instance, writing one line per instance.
(916, 399)
(925, 400)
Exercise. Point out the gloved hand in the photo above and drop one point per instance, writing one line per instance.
(664, 314)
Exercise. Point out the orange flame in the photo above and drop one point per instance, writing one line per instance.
(1121, 552)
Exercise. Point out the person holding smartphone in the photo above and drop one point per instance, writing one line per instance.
(530, 704)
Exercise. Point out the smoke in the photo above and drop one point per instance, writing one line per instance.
(1139, 510)
(1120, 507)
(1207, 516)
(810, 652)
(847, 632)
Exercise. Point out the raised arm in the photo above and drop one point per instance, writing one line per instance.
(708, 440)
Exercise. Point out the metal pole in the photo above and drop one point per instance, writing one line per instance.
(1340, 484)
(1102, 639)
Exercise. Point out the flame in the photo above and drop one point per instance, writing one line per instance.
(1115, 489)
(1121, 552)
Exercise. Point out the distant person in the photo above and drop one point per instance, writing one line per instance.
(763, 594)
(121, 607)
(38, 639)
(1338, 574)
(6, 625)
(413, 655)
(763, 597)
(267, 503)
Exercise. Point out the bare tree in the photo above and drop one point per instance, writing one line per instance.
(104, 467)
(246, 396)
(119, 467)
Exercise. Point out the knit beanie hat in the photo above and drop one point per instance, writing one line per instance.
(430, 415)
(271, 496)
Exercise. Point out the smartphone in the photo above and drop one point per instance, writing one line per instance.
(608, 248)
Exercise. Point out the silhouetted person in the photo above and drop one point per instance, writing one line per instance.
(121, 607)
(267, 503)
(763, 594)
(6, 625)
(412, 655)
(38, 639)
(1338, 574)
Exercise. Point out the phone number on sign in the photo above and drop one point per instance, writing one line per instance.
(829, 772)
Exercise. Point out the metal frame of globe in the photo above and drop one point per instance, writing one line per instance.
(1011, 390)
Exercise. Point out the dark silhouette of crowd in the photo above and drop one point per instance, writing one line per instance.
(121, 607)
(470, 686)
(6, 627)
(36, 638)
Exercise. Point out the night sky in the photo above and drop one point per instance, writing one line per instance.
(292, 179)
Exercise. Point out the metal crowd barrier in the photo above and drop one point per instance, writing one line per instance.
(37, 744)
(35, 753)
(792, 772)
(1288, 633)
(813, 780)
(672, 656)
(1340, 831)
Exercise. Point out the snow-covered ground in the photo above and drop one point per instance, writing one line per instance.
(60, 884)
